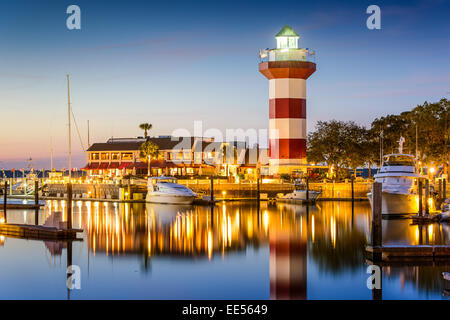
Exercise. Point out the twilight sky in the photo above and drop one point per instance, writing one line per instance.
(171, 63)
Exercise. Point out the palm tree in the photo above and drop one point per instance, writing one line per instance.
(146, 127)
(148, 151)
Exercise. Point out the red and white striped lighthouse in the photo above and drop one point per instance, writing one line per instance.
(287, 67)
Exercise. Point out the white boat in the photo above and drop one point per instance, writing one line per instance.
(299, 194)
(398, 176)
(167, 190)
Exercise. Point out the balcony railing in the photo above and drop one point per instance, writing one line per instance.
(287, 55)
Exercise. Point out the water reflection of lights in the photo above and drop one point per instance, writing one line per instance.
(333, 231)
(266, 221)
(210, 245)
(197, 231)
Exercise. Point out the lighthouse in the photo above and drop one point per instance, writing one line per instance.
(287, 67)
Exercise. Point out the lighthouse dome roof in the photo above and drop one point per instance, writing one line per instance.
(287, 31)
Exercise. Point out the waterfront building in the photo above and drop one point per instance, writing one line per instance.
(287, 67)
(178, 156)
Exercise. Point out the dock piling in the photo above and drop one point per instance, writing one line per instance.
(257, 187)
(419, 192)
(353, 190)
(444, 190)
(69, 206)
(36, 192)
(427, 195)
(212, 189)
(307, 189)
(5, 196)
(376, 235)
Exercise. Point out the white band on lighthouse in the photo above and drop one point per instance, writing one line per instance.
(287, 88)
(287, 128)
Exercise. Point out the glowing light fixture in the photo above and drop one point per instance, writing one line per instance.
(287, 38)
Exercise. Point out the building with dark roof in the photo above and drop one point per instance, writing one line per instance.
(178, 156)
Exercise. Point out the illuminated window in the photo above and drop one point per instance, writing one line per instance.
(127, 156)
(104, 156)
(287, 38)
(94, 156)
(115, 156)
(282, 43)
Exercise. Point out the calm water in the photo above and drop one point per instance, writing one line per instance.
(151, 251)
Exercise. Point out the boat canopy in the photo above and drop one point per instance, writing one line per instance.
(162, 179)
(399, 159)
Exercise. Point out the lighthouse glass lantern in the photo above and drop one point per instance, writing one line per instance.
(287, 38)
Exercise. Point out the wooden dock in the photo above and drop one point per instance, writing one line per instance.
(33, 232)
(22, 206)
(408, 252)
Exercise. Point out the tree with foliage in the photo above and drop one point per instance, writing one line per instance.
(148, 151)
(345, 145)
(340, 144)
(430, 121)
(146, 127)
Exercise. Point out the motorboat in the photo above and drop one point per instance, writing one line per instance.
(398, 176)
(299, 194)
(166, 190)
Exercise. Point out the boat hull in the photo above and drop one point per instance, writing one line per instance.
(169, 199)
(397, 203)
(299, 196)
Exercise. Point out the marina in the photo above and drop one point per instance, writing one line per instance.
(208, 152)
(180, 252)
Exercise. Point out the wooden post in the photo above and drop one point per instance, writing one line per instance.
(212, 189)
(376, 214)
(427, 195)
(69, 264)
(440, 190)
(377, 294)
(307, 189)
(353, 190)
(444, 189)
(5, 196)
(419, 192)
(257, 186)
(69, 205)
(36, 202)
(36, 192)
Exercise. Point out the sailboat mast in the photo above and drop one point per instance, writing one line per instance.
(89, 143)
(51, 153)
(417, 142)
(70, 140)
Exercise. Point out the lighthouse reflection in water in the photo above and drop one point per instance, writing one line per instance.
(233, 250)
